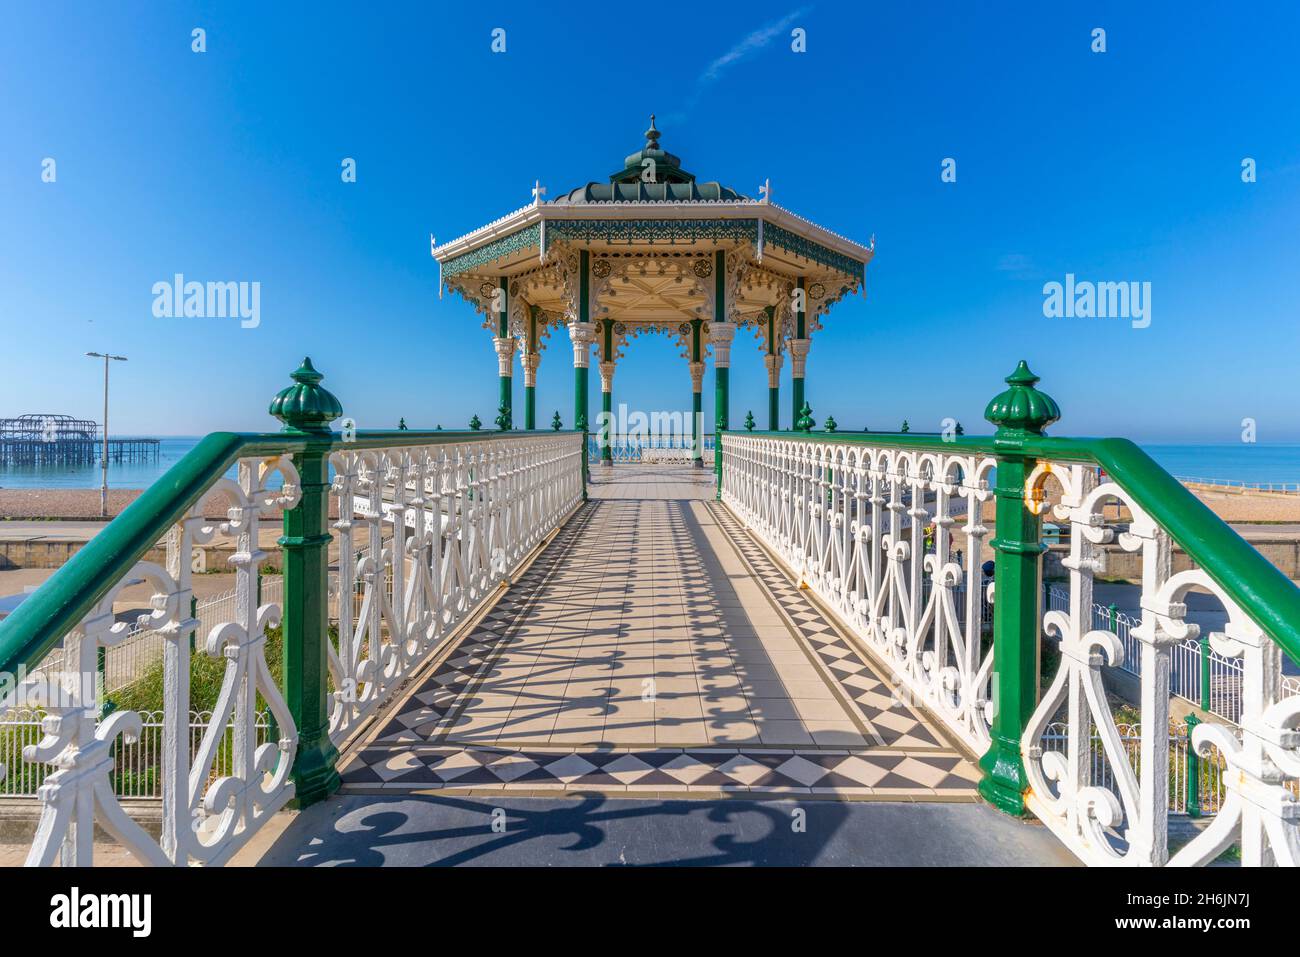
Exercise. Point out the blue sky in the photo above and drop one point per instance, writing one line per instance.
(225, 166)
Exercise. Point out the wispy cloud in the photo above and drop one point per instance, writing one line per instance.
(1018, 266)
(750, 45)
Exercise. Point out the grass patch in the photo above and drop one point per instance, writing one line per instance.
(206, 677)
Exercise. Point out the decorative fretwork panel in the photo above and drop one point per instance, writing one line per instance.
(1119, 814)
(425, 534)
(891, 540)
(215, 799)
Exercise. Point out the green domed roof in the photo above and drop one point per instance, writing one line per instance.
(671, 184)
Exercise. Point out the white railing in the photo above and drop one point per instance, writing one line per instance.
(141, 649)
(215, 796)
(1210, 789)
(444, 524)
(469, 513)
(137, 765)
(853, 522)
(1291, 488)
(1186, 674)
(833, 512)
(633, 448)
(1126, 821)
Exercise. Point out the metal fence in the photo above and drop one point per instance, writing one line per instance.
(1199, 674)
(1199, 795)
(128, 661)
(1292, 488)
(670, 449)
(137, 767)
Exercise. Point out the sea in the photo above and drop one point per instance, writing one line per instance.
(1259, 463)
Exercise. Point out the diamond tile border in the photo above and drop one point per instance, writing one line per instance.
(408, 752)
(896, 774)
(896, 723)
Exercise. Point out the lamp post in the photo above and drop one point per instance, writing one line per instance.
(103, 488)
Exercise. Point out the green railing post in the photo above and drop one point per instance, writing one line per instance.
(1205, 671)
(1112, 613)
(1020, 413)
(307, 409)
(1193, 770)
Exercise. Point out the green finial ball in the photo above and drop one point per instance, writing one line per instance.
(960, 430)
(1022, 409)
(401, 424)
(474, 423)
(749, 421)
(805, 421)
(906, 427)
(306, 406)
(830, 424)
(556, 424)
(502, 420)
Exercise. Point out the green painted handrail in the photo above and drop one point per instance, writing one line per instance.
(1247, 577)
(42, 620)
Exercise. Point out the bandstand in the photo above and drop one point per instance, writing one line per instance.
(652, 250)
(462, 619)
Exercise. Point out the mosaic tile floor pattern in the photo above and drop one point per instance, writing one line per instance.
(753, 689)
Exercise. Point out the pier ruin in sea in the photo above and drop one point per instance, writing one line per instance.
(821, 615)
(43, 440)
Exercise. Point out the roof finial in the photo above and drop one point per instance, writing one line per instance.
(652, 135)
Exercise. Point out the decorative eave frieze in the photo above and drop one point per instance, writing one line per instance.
(534, 226)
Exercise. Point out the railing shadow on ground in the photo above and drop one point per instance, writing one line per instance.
(368, 836)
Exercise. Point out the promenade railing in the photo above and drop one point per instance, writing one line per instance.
(440, 519)
(649, 449)
(831, 505)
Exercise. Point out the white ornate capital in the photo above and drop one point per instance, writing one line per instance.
(583, 335)
(530, 361)
(505, 355)
(720, 335)
(607, 377)
(697, 376)
(773, 362)
(799, 356)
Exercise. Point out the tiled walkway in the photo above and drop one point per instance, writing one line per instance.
(654, 647)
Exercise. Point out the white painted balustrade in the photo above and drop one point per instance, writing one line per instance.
(471, 512)
(440, 526)
(1126, 821)
(834, 513)
(872, 532)
(207, 815)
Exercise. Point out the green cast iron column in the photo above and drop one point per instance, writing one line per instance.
(308, 409)
(606, 391)
(506, 400)
(1020, 413)
(580, 370)
(721, 401)
(796, 363)
(697, 397)
(530, 361)
(607, 408)
(721, 365)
